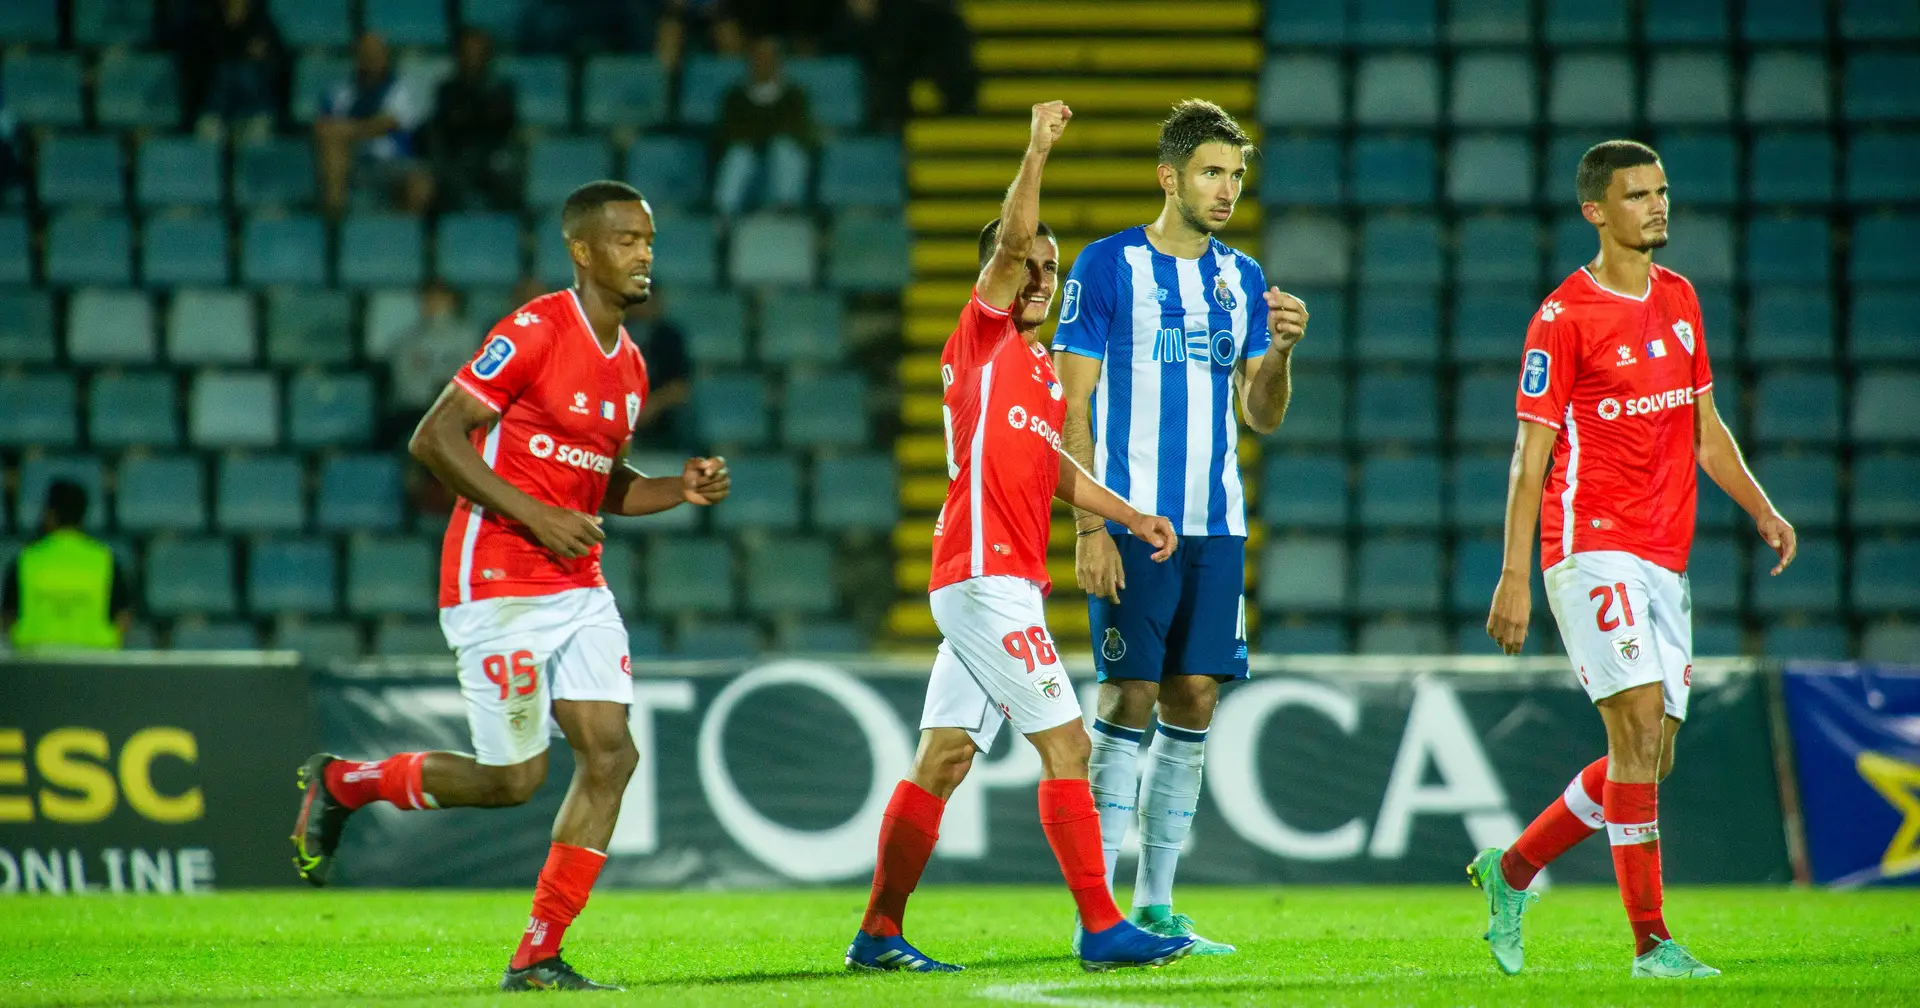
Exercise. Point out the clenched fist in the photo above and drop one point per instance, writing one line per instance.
(1049, 121)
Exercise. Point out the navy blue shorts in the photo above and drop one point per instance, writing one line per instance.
(1187, 616)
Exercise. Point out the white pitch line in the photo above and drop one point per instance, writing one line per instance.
(1037, 994)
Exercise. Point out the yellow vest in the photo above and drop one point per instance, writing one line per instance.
(66, 587)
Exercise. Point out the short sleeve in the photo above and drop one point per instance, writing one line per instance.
(978, 331)
(1087, 305)
(505, 365)
(1547, 368)
(1253, 287)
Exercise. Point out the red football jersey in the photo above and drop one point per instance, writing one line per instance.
(566, 407)
(1616, 376)
(1003, 409)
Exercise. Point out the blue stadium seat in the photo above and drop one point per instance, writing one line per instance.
(1477, 491)
(1807, 641)
(1706, 163)
(136, 90)
(1392, 171)
(392, 576)
(558, 165)
(768, 495)
(190, 576)
(1783, 21)
(1498, 250)
(645, 639)
(26, 326)
(715, 324)
(1879, 19)
(405, 638)
(1565, 148)
(1886, 575)
(822, 637)
(283, 250)
(1396, 407)
(1495, 89)
(1689, 87)
(1399, 89)
(1302, 91)
(30, 21)
(1811, 585)
(305, 23)
(1884, 325)
(83, 248)
(791, 577)
(1400, 249)
(1718, 638)
(477, 248)
(689, 574)
(670, 170)
(1491, 170)
(624, 91)
(1400, 492)
(1891, 642)
(1789, 324)
(1483, 407)
(1304, 575)
(210, 327)
(553, 266)
(273, 173)
(500, 18)
(1490, 324)
(1789, 250)
(1573, 245)
(704, 84)
(408, 22)
(1786, 86)
(686, 250)
(1318, 412)
(1883, 407)
(1330, 325)
(855, 492)
(1394, 636)
(1880, 167)
(1883, 249)
(325, 410)
(381, 249)
(309, 326)
(1307, 248)
(42, 89)
(1702, 251)
(260, 493)
(730, 409)
(774, 249)
(826, 409)
(862, 171)
(1305, 22)
(1302, 171)
(1483, 22)
(717, 640)
(161, 493)
(110, 327)
(1303, 637)
(217, 635)
(1730, 399)
(798, 326)
(1717, 311)
(128, 408)
(1801, 405)
(388, 313)
(1806, 487)
(291, 576)
(621, 571)
(80, 169)
(38, 408)
(1393, 23)
(1716, 572)
(1585, 22)
(1399, 325)
(836, 92)
(1683, 21)
(181, 249)
(1398, 574)
(359, 493)
(1879, 86)
(868, 251)
(1305, 491)
(1590, 89)
(1790, 167)
(234, 409)
(16, 252)
(540, 89)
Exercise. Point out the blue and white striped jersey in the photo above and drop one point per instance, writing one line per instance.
(1170, 332)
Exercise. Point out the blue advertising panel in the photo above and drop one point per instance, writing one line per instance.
(1856, 740)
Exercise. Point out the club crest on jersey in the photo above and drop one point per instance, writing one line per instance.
(1048, 687)
(633, 410)
(494, 356)
(1070, 302)
(1629, 648)
(1533, 372)
(1113, 647)
(1683, 331)
(1223, 294)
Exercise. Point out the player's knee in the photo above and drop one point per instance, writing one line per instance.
(1064, 751)
(613, 765)
(1128, 702)
(1188, 701)
(507, 786)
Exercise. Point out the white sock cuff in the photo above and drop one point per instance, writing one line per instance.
(1627, 834)
(1583, 805)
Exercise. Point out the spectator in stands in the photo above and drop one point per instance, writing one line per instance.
(365, 133)
(233, 68)
(65, 590)
(900, 41)
(424, 356)
(468, 139)
(764, 134)
(684, 22)
(664, 347)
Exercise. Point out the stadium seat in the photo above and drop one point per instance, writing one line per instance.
(1304, 575)
(1783, 21)
(1787, 323)
(218, 635)
(1801, 405)
(98, 23)
(670, 170)
(1718, 312)
(1891, 642)
(730, 409)
(283, 250)
(1803, 486)
(1303, 91)
(1879, 86)
(1716, 574)
(1397, 89)
(1565, 148)
(714, 322)
(1400, 493)
(1880, 168)
(767, 495)
(1685, 21)
(689, 574)
(30, 21)
(1811, 585)
(1399, 325)
(826, 410)
(1307, 249)
(308, 23)
(1392, 406)
(1807, 641)
(1393, 23)
(624, 91)
(836, 92)
(645, 640)
(1584, 22)
(38, 408)
(314, 75)
(181, 249)
(85, 248)
(704, 83)
(1588, 88)
(1401, 637)
(1883, 249)
(717, 640)
(1883, 407)
(1706, 162)
(1715, 511)
(309, 326)
(556, 166)
(409, 22)
(541, 89)
(1399, 249)
(380, 248)
(473, 249)
(1689, 87)
(791, 577)
(1305, 491)
(110, 327)
(774, 250)
(1302, 171)
(1491, 170)
(797, 326)
(192, 575)
(822, 637)
(161, 493)
(26, 326)
(328, 410)
(1499, 250)
(136, 89)
(1303, 637)
(80, 170)
(125, 409)
(1305, 22)
(260, 494)
(500, 18)
(1788, 250)
(869, 251)
(1493, 89)
(389, 313)
(854, 492)
(392, 576)
(1791, 167)
(210, 327)
(1718, 638)
(686, 250)
(38, 473)
(1886, 575)
(1483, 405)
(1318, 411)
(42, 89)
(1398, 574)
(291, 576)
(1879, 19)
(1786, 86)
(409, 638)
(16, 252)
(621, 572)
(1330, 325)
(862, 171)
(1392, 171)
(1702, 251)
(1477, 491)
(1886, 491)
(1490, 323)
(234, 409)
(273, 173)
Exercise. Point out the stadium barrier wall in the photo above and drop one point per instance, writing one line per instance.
(1856, 748)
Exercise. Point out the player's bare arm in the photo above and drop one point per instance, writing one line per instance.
(1266, 388)
(1512, 597)
(1078, 488)
(700, 481)
(1096, 560)
(1723, 463)
(1006, 272)
(443, 443)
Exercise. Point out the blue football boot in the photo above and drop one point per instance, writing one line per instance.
(882, 955)
(1125, 944)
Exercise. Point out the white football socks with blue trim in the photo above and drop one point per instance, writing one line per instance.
(1113, 771)
(1169, 794)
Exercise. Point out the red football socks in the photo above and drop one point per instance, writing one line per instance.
(1573, 817)
(1072, 826)
(564, 884)
(395, 779)
(907, 835)
(1633, 826)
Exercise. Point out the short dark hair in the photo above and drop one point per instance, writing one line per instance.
(588, 199)
(66, 503)
(991, 232)
(1196, 121)
(1601, 160)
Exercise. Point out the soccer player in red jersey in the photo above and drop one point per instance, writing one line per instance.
(1003, 407)
(1616, 390)
(533, 436)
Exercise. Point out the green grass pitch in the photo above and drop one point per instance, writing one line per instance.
(1323, 946)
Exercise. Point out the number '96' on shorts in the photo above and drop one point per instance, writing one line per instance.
(997, 663)
(1626, 622)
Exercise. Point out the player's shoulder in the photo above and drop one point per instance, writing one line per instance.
(1108, 250)
(536, 321)
(1222, 250)
(1660, 276)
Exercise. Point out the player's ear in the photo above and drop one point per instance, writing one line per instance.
(577, 251)
(1169, 179)
(1594, 215)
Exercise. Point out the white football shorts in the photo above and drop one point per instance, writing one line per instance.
(997, 663)
(1626, 623)
(519, 654)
